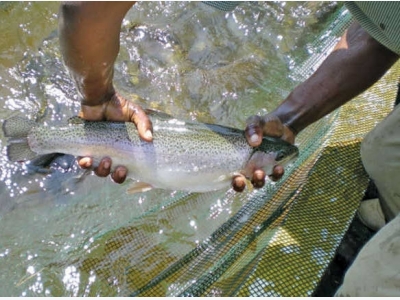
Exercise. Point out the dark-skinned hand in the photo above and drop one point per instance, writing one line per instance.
(256, 128)
(118, 109)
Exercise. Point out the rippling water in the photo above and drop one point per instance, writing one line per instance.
(184, 58)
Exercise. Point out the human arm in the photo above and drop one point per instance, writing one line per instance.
(89, 39)
(355, 64)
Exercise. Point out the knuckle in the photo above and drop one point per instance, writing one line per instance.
(253, 119)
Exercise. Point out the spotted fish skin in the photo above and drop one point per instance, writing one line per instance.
(191, 156)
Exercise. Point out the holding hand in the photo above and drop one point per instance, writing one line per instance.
(117, 109)
(256, 128)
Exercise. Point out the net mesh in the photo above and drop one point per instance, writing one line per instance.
(277, 241)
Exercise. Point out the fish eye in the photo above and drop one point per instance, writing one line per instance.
(279, 156)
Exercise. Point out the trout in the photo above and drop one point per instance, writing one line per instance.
(184, 155)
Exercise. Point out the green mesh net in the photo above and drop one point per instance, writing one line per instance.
(277, 241)
(223, 5)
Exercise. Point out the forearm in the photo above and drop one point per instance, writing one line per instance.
(356, 63)
(89, 39)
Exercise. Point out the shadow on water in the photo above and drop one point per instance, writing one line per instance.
(184, 58)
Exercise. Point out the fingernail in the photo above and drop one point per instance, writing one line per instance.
(254, 138)
(86, 162)
(107, 164)
(122, 176)
(239, 184)
(148, 134)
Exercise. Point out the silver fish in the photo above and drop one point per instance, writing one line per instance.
(190, 156)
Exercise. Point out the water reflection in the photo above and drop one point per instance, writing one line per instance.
(184, 58)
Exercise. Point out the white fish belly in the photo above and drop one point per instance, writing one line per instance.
(193, 182)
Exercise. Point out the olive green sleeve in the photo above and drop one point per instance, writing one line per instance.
(381, 19)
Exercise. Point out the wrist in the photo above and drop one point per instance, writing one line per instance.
(94, 87)
(293, 130)
(300, 108)
(94, 108)
(289, 116)
(96, 97)
(95, 101)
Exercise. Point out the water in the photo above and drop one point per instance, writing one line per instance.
(184, 58)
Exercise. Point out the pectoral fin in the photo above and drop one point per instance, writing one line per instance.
(139, 187)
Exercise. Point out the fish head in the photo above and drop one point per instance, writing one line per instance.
(285, 153)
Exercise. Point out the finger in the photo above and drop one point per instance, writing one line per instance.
(121, 110)
(142, 121)
(272, 126)
(103, 170)
(85, 162)
(258, 179)
(239, 183)
(253, 131)
(277, 173)
(288, 135)
(119, 175)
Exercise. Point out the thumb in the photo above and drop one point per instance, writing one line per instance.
(142, 122)
(254, 131)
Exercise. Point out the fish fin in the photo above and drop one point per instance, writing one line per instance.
(75, 120)
(81, 177)
(18, 150)
(139, 187)
(158, 113)
(44, 160)
(249, 185)
(17, 127)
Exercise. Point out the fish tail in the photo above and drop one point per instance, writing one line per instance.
(17, 129)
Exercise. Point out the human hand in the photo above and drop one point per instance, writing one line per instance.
(256, 128)
(117, 109)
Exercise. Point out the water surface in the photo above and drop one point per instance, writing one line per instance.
(184, 58)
